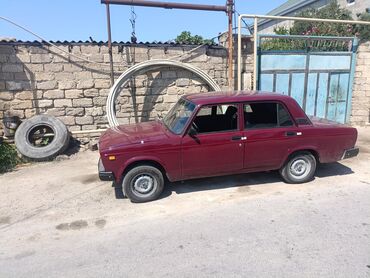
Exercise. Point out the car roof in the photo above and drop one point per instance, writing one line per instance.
(233, 96)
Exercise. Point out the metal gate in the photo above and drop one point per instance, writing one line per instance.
(319, 75)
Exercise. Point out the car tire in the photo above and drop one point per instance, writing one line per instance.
(31, 128)
(299, 168)
(143, 184)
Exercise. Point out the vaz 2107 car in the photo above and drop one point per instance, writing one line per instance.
(213, 134)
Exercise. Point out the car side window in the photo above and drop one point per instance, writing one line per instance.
(266, 115)
(216, 118)
(284, 118)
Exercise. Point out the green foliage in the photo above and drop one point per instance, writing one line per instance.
(8, 157)
(282, 44)
(331, 11)
(363, 31)
(187, 37)
(303, 28)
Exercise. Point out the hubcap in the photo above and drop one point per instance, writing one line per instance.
(143, 184)
(300, 168)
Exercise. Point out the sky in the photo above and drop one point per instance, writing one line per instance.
(81, 19)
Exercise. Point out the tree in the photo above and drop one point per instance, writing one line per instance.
(331, 11)
(187, 37)
(305, 28)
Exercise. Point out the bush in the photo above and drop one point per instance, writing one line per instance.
(8, 157)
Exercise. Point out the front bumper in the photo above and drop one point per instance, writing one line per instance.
(350, 153)
(104, 175)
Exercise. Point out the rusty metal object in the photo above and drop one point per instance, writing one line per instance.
(110, 45)
(230, 12)
(166, 5)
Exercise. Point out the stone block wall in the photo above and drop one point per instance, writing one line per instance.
(36, 78)
(360, 114)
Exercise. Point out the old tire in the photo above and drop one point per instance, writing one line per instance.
(55, 140)
(299, 168)
(143, 184)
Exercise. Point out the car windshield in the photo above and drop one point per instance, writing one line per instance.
(179, 115)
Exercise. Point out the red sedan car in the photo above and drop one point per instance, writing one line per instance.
(213, 134)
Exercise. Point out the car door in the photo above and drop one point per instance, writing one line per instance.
(270, 133)
(215, 147)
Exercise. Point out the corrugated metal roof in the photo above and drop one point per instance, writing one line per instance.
(172, 43)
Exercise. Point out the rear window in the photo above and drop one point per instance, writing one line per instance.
(266, 115)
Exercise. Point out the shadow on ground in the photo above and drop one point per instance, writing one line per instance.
(196, 185)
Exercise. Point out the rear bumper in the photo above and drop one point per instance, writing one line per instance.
(350, 153)
(104, 175)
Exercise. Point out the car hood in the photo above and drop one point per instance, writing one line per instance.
(132, 134)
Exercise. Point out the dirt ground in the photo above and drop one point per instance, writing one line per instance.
(58, 220)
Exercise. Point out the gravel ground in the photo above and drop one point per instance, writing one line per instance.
(58, 220)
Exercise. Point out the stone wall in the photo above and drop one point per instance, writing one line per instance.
(36, 78)
(360, 114)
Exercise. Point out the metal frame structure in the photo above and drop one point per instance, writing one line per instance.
(255, 37)
(228, 8)
(308, 52)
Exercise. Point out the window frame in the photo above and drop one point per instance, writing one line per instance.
(294, 124)
(238, 127)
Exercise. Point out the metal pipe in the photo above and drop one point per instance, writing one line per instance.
(230, 5)
(88, 131)
(239, 81)
(279, 18)
(255, 56)
(166, 5)
(306, 19)
(110, 45)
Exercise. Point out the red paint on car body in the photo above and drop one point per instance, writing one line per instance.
(182, 157)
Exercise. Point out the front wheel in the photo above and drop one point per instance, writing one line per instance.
(143, 184)
(300, 168)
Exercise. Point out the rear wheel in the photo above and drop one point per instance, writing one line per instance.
(143, 184)
(299, 168)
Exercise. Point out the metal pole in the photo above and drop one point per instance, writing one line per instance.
(255, 56)
(110, 45)
(239, 53)
(230, 6)
(166, 5)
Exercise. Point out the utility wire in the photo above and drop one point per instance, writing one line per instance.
(43, 40)
(248, 26)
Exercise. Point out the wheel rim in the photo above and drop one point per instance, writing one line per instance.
(40, 136)
(300, 168)
(143, 184)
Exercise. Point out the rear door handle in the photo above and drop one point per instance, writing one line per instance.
(293, 133)
(239, 138)
(236, 138)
